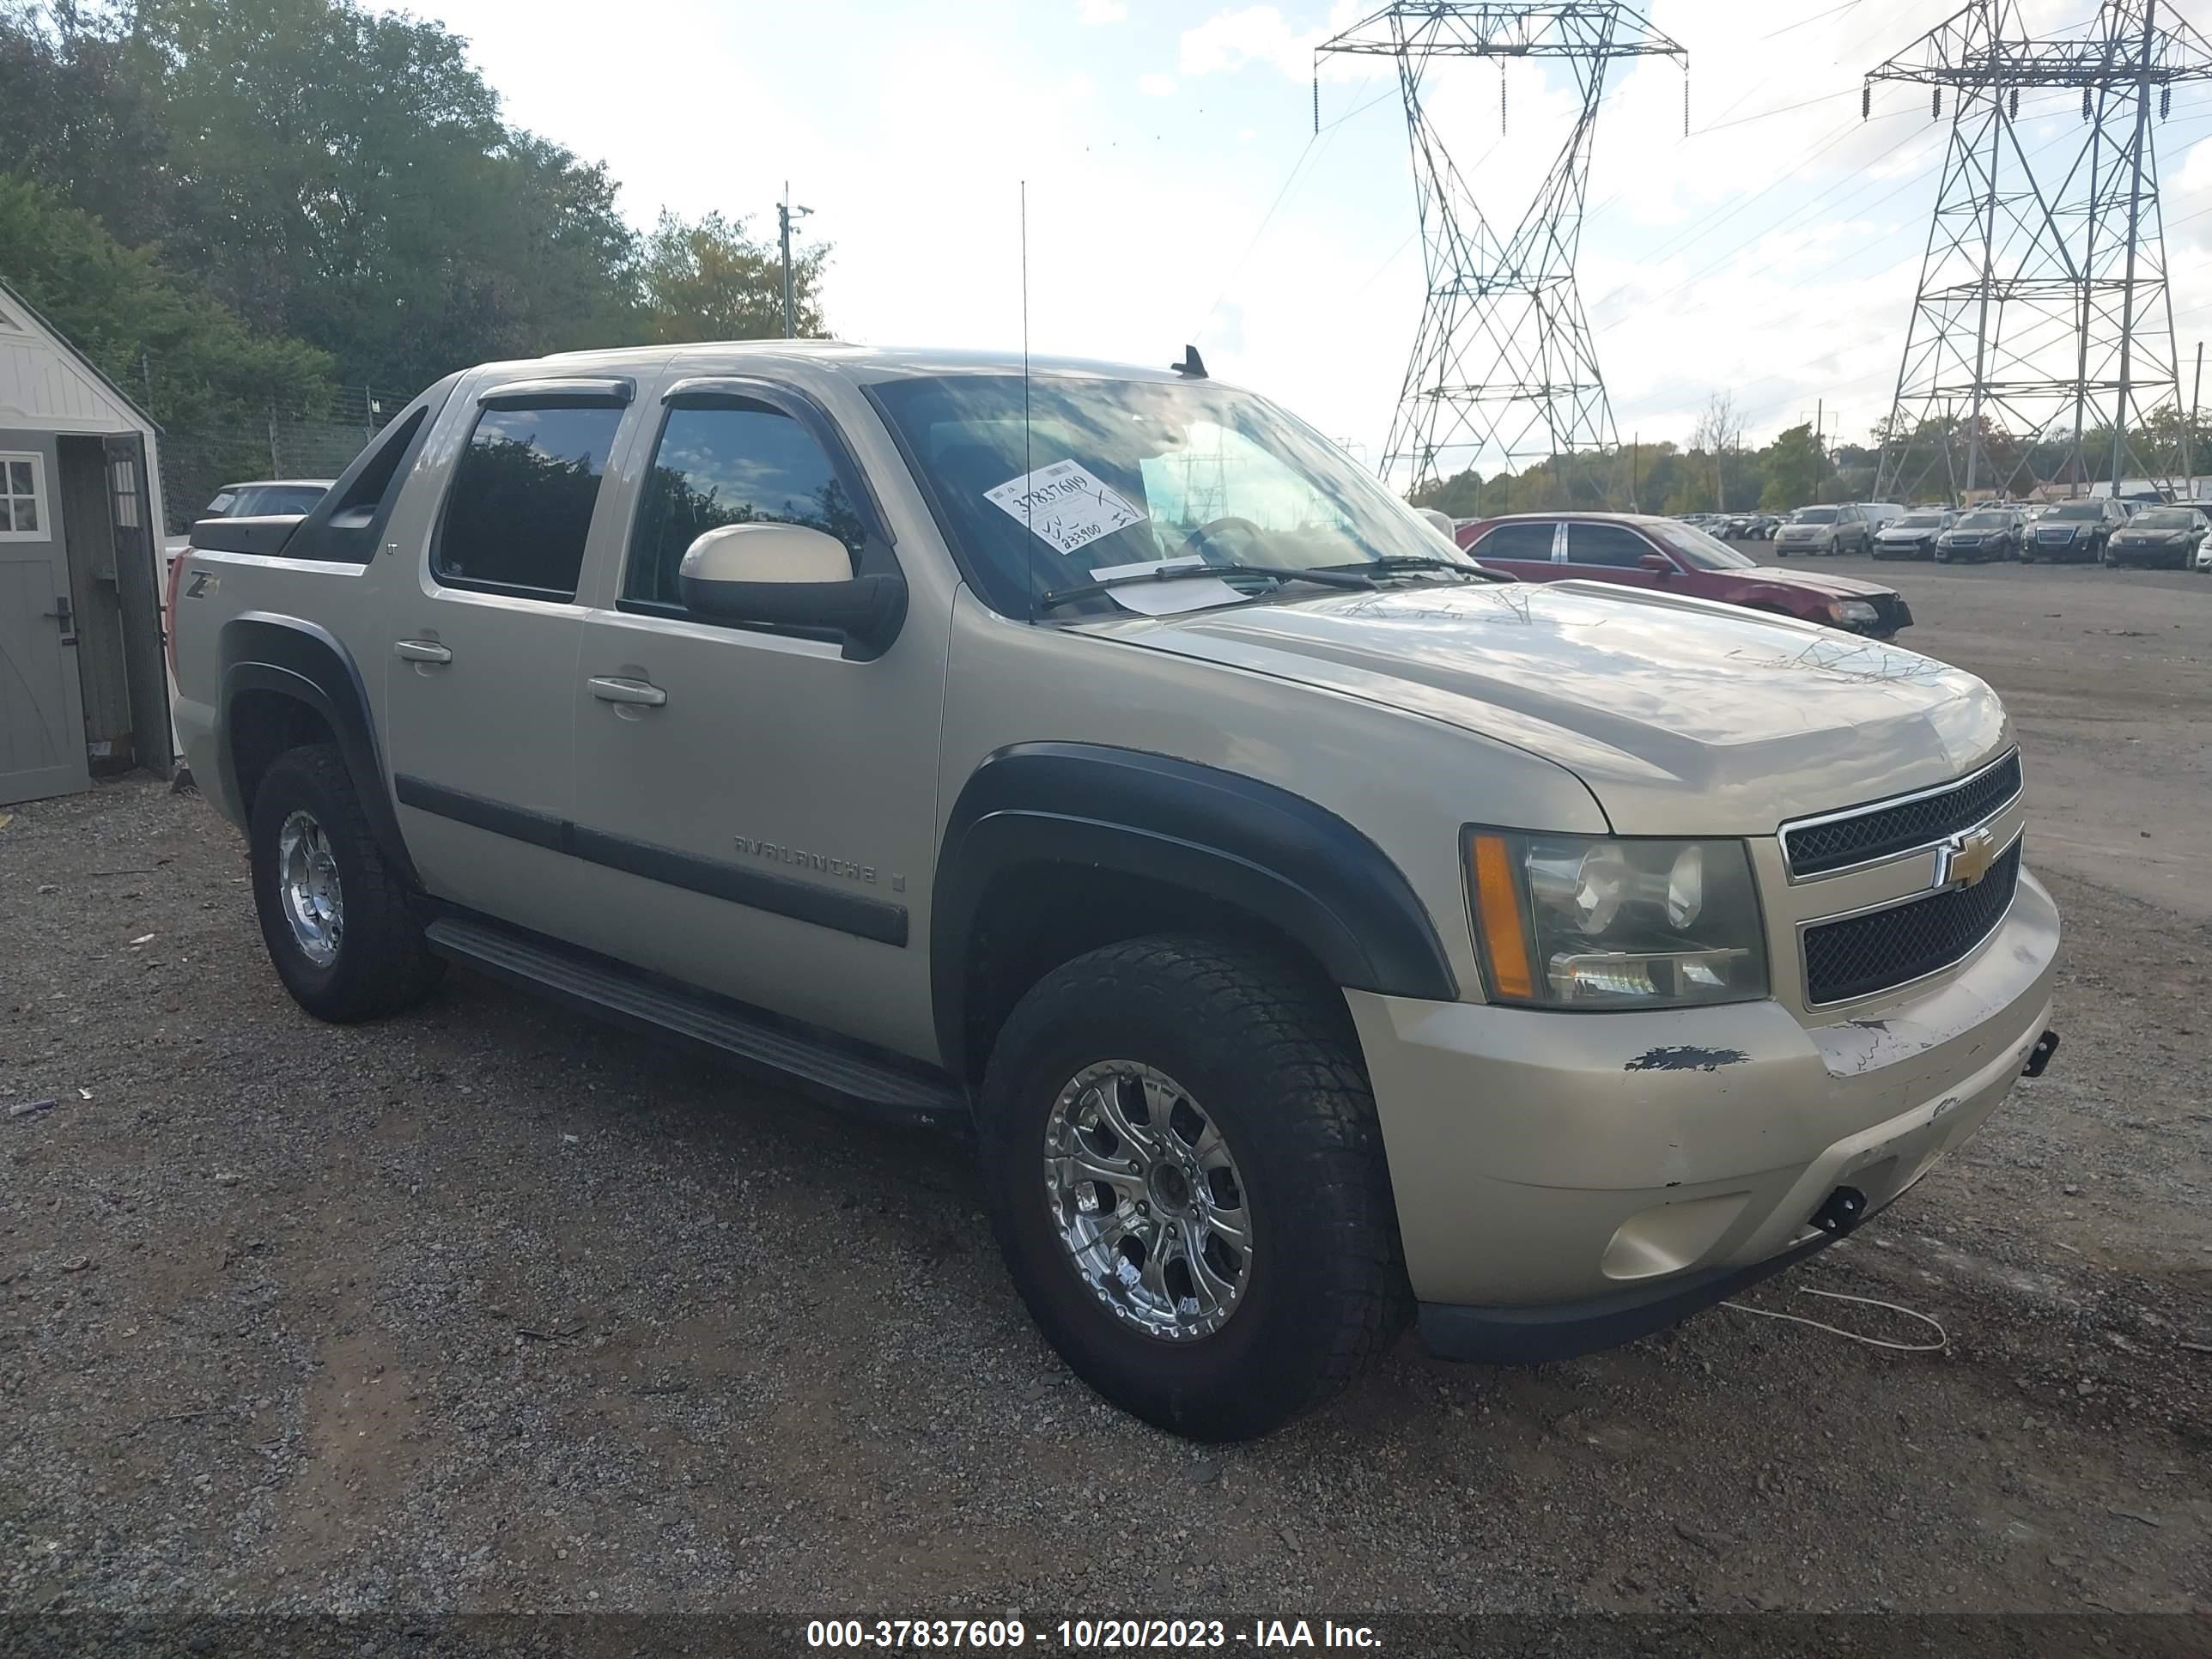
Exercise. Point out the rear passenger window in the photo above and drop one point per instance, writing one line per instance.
(730, 464)
(1516, 541)
(1606, 543)
(520, 505)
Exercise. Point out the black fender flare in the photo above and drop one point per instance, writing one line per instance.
(297, 659)
(1263, 850)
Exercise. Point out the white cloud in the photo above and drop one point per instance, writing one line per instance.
(1774, 252)
(1227, 42)
(2195, 172)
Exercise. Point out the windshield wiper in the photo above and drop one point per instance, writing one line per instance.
(1421, 561)
(1168, 573)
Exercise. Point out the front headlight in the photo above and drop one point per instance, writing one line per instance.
(1579, 922)
(1852, 611)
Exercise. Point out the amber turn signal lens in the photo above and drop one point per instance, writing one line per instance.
(1498, 906)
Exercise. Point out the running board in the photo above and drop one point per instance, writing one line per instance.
(883, 1085)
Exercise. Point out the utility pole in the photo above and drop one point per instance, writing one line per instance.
(784, 214)
(1819, 446)
(2189, 432)
(1636, 443)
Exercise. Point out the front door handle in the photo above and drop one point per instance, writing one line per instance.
(421, 650)
(613, 688)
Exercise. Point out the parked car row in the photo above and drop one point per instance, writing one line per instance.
(2099, 531)
(1736, 527)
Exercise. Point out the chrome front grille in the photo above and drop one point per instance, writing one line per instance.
(1887, 829)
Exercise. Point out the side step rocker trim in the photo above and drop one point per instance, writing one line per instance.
(880, 1085)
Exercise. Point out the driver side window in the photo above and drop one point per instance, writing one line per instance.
(722, 465)
(1611, 544)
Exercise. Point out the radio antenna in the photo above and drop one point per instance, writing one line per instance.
(1029, 495)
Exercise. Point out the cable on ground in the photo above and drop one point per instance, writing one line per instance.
(1942, 1337)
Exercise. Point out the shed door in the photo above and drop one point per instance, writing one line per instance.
(41, 715)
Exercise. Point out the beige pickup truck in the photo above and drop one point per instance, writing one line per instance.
(1315, 931)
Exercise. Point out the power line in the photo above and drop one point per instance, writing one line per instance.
(1290, 178)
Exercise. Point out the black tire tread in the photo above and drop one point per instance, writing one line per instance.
(1293, 1027)
(385, 965)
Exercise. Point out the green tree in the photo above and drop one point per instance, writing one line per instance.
(328, 171)
(1459, 495)
(710, 279)
(1794, 470)
(161, 335)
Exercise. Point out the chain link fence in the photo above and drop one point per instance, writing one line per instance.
(316, 441)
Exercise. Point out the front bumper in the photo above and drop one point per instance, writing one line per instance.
(1891, 613)
(1566, 1181)
(2153, 556)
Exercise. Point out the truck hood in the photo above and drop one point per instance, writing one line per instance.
(1682, 717)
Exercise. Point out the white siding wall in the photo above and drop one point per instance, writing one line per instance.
(42, 386)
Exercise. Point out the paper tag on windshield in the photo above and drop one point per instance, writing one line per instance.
(1166, 599)
(1064, 505)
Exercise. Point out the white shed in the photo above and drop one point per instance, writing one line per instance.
(83, 684)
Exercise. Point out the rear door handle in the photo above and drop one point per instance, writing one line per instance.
(612, 687)
(421, 650)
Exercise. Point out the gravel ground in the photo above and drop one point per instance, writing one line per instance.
(485, 1308)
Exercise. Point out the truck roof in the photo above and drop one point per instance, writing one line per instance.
(862, 363)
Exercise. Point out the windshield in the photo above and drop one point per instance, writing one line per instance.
(2164, 518)
(1697, 550)
(1133, 472)
(2076, 510)
(1815, 515)
(1920, 522)
(1984, 521)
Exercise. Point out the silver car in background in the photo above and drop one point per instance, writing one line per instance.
(1814, 530)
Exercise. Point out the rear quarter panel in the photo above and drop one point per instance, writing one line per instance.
(216, 589)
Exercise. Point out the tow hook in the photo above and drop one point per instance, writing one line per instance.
(2038, 1057)
(1842, 1211)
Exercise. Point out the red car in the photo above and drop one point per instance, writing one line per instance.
(1643, 552)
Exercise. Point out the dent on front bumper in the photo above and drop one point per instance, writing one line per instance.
(1566, 1181)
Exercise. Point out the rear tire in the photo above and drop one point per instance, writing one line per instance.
(341, 930)
(1231, 1054)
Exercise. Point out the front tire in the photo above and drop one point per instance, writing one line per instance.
(341, 930)
(1182, 1163)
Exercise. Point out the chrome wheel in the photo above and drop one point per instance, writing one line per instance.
(308, 881)
(1147, 1200)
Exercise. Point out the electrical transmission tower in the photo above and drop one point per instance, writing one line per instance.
(2042, 334)
(1503, 364)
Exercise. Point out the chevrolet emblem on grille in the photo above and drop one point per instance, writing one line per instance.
(1965, 860)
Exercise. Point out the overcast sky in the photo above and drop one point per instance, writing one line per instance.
(1177, 191)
